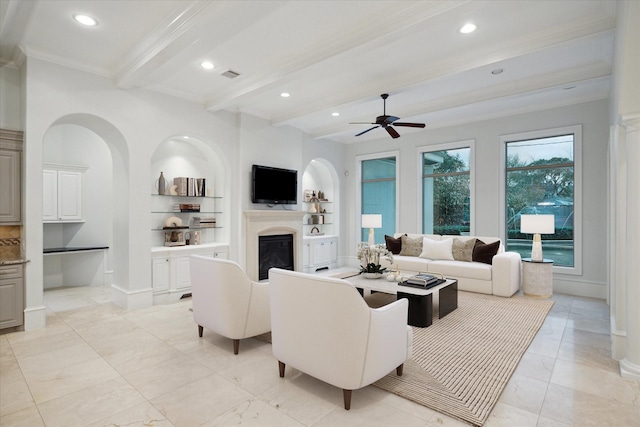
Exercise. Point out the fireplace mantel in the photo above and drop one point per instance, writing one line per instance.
(269, 222)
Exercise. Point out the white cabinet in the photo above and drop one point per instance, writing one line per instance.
(319, 253)
(170, 271)
(10, 186)
(62, 189)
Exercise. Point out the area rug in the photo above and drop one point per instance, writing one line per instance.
(462, 363)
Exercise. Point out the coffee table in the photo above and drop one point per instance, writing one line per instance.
(420, 300)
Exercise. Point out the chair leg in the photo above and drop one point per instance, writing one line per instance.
(399, 370)
(236, 346)
(346, 394)
(281, 367)
(200, 329)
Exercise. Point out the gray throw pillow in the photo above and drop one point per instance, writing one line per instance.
(463, 250)
(411, 246)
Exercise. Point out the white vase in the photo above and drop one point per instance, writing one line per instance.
(372, 275)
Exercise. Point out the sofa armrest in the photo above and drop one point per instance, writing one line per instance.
(390, 340)
(506, 274)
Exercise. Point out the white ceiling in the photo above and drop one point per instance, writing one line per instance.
(332, 56)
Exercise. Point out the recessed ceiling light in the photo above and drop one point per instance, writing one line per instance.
(468, 28)
(207, 65)
(336, 114)
(285, 94)
(85, 20)
(497, 71)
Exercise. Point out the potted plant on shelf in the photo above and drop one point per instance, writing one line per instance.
(369, 257)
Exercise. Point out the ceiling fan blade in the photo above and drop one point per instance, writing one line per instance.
(390, 119)
(362, 123)
(392, 132)
(367, 130)
(411, 125)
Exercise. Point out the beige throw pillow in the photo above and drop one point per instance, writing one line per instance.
(463, 250)
(411, 247)
(436, 249)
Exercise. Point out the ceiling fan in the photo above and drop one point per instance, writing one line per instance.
(386, 122)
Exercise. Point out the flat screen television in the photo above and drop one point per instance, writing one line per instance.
(274, 185)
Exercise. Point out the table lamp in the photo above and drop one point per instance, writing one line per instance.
(371, 221)
(537, 225)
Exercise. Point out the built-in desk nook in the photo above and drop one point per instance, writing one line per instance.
(74, 266)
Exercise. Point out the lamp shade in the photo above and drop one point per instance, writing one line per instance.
(372, 221)
(537, 224)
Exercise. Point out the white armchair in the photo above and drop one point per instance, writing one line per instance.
(322, 327)
(227, 301)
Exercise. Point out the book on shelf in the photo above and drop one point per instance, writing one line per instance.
(186, 207)
(204, 222)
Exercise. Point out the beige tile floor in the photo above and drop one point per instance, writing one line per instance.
(97, 365)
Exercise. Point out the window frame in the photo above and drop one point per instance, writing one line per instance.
(359, 159)
(576, 130)
(454, 145)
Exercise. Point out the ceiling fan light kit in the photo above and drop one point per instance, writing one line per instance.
(386, 122)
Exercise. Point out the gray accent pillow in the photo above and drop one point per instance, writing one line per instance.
(411, 246)
(463, 250)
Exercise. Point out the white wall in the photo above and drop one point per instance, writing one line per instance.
(593, 116)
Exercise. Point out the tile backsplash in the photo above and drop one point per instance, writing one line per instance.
(11, 242)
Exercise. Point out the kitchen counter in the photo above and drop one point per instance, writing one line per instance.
(13, 261)
(73, 249)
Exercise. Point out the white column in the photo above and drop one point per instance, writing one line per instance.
(630, 365)
(617, 249)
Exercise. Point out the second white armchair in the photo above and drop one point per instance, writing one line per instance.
(322, 327)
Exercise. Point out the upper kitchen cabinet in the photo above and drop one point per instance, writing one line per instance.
(10, 170)
(62, 190)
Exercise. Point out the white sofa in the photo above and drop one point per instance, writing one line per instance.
(501, 277)
(322, 327)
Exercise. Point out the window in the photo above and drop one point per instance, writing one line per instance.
(446, 191)
(542, 178)
(378, 194)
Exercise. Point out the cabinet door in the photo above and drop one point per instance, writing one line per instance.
(306, 254)
(70, 202)
(334, 250)
(49, 195)
(183, 272)
(160, 274)
(9, 186)
(221, 254)
(11, 302)
(321, 253)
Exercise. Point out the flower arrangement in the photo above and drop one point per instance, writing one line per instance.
(369, 257)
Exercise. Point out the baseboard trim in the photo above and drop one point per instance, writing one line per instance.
(131, 300)
(580, 288)
(629, 370)
(35, 318)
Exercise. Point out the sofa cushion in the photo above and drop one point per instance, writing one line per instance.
(411, 247)
(410, 264)
(432, 249)
(462, 250)
(483, 252)
(394, 245)
(458, 269)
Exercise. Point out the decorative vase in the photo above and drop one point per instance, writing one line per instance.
(372, 275)
(162, 185)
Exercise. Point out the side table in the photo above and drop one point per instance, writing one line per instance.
(537, 277)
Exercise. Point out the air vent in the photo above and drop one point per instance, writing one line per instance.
(230, 74)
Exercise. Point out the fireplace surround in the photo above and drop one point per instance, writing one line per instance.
(258, 223)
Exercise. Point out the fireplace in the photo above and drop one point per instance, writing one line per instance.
(274, 251)
(260, 223)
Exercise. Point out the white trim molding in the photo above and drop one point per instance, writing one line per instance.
(576, 130)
